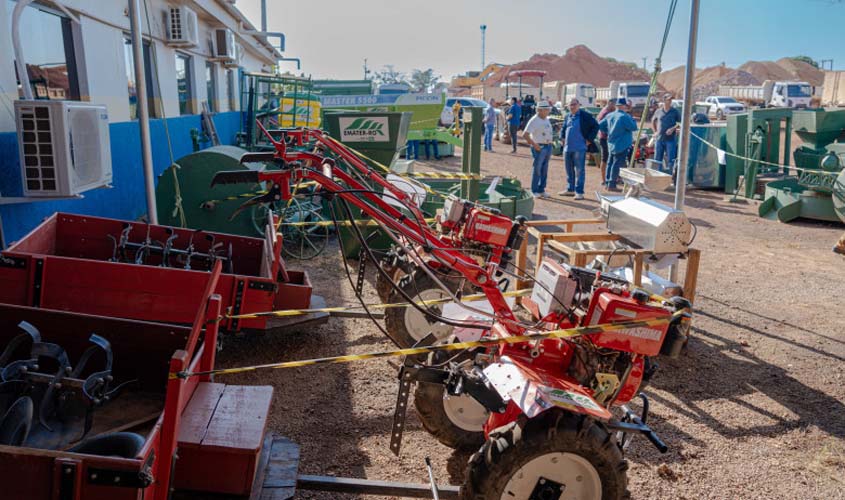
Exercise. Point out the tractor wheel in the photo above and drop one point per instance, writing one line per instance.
(555, 455)
(407, 325)
(455, 421)
(384, 286)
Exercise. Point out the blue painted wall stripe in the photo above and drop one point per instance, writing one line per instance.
(126, 199)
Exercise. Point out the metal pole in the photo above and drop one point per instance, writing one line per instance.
(483, 36)
(683, 157)
(143, 115)
(686, 115)
(263, 15)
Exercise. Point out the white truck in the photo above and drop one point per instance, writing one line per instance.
(771, 94)
(635, 93)
(563, 92)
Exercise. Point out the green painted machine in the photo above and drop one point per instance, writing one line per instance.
(818, 191)
(755, 140)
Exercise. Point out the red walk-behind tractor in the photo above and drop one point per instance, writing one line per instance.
(555, 408)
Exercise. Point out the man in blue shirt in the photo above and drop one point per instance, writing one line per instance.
(665, 123)
(618, 126)
(579, 128)
(514, 117)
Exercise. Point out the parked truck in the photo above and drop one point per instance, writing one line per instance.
(563, 92)
(501, 93)
(772, 94)
(635, 92)
(833, 92)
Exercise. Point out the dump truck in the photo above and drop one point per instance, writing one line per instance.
(563, 92)
(635, 92)
(772, 94)
(833, 92)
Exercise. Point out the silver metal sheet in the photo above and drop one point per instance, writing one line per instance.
(649, 225)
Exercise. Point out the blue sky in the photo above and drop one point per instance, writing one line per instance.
(332, 37)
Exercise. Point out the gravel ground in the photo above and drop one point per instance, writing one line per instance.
(755, 409)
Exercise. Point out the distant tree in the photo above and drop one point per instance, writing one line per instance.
(389, 74)
(625, 63)
(423, 80)
(807, 59)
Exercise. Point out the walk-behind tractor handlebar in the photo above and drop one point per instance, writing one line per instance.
(554, 390)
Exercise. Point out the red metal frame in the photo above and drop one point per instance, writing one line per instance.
(64, 264)
(24, 472)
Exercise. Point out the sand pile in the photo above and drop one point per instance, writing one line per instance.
(578, 64)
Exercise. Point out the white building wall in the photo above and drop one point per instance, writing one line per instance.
(101, 61)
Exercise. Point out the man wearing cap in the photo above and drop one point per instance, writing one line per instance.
(514, 119)
(579, 129)
(618, 126)
(665, 123)
(538, 134)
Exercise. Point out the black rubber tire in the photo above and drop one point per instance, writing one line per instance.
(394, 317)
(515, 444)
(428, 401)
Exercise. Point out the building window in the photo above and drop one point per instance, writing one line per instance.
(230, 90)
(50, 63)
(211, 87)
(183, 84)
(149, 75)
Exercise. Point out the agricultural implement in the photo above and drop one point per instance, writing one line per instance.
(107, 416)
(554, 390)
(141, 271)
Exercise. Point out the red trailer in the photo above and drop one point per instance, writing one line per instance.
(129, 450)
(188, 437)
(134, 270)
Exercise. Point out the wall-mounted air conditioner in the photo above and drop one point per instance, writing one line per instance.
(64, 147)
(223, 44)
(182, 29)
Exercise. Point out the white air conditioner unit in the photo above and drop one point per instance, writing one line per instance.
(64, 147)
(223, 45)
(182, 28)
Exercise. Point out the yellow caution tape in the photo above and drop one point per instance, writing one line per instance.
(298, 312)
(458, 346)
(442, 175)
(344, 223)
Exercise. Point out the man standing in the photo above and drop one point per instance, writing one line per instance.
(579, 129)
(538, 134)
(489, 124)
(619, 126)
(665, 123)
(514, 117)
(610, 107)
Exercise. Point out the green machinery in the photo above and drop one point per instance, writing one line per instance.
(758, 163)
(755, 137)
(818, 191)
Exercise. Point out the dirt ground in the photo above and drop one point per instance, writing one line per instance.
(754, 409)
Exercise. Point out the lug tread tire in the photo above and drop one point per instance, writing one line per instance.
(512, 445)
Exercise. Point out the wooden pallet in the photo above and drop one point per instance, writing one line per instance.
(562, 243)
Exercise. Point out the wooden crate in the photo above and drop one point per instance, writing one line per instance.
(562, 242)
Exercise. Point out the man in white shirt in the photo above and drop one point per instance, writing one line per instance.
(538, 134)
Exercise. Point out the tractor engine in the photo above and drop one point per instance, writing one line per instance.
(601, 369)
(481, 229)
